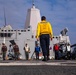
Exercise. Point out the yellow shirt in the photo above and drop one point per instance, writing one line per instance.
(44, 27)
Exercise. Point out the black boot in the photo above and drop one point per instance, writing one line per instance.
(45, 58)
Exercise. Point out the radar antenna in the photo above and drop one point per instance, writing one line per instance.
(33, 2)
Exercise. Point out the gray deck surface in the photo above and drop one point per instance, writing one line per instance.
(33, 67)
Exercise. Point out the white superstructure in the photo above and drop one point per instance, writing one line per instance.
(32, 18)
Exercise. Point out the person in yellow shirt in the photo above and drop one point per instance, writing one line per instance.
(43, 33)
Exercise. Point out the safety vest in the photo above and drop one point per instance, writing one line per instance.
(56, 47)
(37, 49)
(27, 49)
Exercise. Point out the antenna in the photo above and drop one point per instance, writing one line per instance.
(33, 2)
(4, 17)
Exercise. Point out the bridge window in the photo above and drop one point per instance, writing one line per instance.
(5, 34)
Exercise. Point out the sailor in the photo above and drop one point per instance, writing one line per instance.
(27, 51)
(37, 50)
(68, 48)
(4, 50)
(56, 49)
(43, 33)
(16, 51)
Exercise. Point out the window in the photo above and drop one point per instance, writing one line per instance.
(5, 34)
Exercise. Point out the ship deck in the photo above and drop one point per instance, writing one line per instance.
(38, 67)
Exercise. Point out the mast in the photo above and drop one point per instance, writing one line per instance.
(33, 2)
(4, 17)
(4, 39)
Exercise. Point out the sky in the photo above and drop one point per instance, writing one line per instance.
(60, 13)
